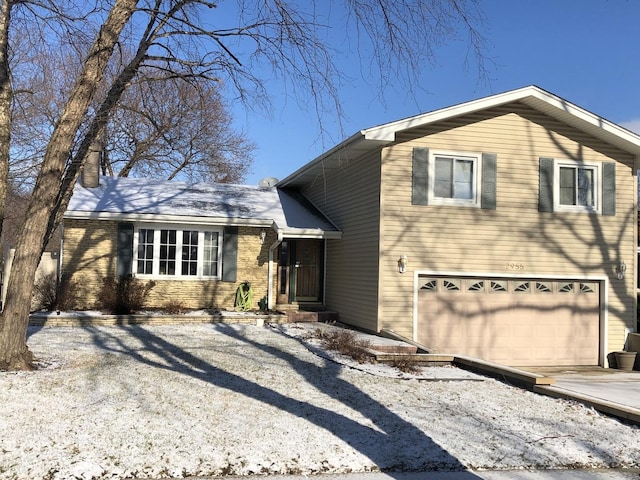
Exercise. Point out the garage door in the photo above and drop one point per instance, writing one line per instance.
(517, 322)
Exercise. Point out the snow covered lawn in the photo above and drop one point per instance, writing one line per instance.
(118, 402)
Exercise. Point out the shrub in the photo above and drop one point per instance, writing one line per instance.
(346, 343)
(174, 307)
(125, 295)
(45, 292)
(49, 294)
(405, 365)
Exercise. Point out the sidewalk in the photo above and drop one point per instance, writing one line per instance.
(595, 474)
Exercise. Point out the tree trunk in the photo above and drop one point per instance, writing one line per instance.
(5, 106)
(14, 353)
(9, 338)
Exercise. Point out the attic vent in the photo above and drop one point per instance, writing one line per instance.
(268, 182)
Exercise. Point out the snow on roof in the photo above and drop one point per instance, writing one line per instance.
(144, 200)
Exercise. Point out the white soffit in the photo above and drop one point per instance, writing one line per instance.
(545, 102)
(532, 96)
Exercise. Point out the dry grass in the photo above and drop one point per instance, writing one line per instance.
(346, 343)
(405, 365)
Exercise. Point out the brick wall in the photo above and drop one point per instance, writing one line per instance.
(90, 255)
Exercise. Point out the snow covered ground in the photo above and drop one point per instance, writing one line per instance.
(172, 401)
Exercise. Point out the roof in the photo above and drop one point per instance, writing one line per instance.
(144, 200)
(370, 139)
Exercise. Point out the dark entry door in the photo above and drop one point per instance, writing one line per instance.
(307, 270)
(299, 271)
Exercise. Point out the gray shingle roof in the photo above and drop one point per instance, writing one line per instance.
(144, 200)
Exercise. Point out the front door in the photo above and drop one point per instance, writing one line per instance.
(299, 271)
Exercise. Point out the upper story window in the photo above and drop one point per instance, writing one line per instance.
(577, 186)
(168, 252)
(455, 179)
(465, 179)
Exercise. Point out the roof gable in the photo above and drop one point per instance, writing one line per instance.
(551, 105)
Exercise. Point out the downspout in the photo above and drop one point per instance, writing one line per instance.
(636, 166)
(60, 254)
(272, 249)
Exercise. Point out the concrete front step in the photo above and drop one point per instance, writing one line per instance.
(393, 348)
(311, 316)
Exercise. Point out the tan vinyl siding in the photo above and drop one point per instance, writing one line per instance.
(89, 256)
(459, 239)
(349, 196)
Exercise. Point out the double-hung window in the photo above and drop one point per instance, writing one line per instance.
(167, 252)
(455, 179)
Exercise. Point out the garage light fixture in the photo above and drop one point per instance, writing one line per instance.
(402, 264)
(263, 235)
(621, 269)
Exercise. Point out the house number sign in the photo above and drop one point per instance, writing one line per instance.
(514, 266)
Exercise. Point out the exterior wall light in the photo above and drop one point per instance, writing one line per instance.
(621, 270)
(402, 264)
(263, 235)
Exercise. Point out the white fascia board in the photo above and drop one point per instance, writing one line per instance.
(318, 160)
(564, 107)
(388, 131)
(175, 219)
(309, 233)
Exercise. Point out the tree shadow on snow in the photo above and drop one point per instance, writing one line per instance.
(394, 445)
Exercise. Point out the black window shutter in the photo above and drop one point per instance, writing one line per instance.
(609, 188)
(420, 177)
(124, 247)
(545, 198)
(230, 254)
(489, 173)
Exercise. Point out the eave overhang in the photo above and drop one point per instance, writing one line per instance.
(370, 139)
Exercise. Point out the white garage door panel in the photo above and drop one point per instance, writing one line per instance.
(515, 322)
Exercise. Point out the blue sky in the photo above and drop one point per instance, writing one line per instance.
(586, 51)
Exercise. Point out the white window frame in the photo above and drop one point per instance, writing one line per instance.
(597, 186)
(476, 181)
(157, 227)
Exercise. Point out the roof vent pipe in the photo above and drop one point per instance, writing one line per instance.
(91, 170)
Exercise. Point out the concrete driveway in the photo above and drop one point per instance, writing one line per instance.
(612, 391)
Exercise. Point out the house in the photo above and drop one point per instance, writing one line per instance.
(197, 242)
(502, 228)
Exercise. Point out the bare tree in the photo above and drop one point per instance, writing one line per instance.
(177, 39)
(159, 129)
(182, 129)
(17, 202)
(14, 353)
(6, 94)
